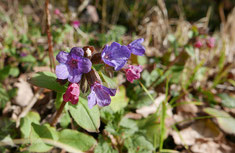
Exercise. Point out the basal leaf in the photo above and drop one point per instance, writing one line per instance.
(76, 139)
(25, 123)
(40, 132)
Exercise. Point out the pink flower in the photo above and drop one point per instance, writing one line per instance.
(198, 44)
(133, 72)
(210, 42)
(72, 93)
(76, 24)
(57, 12)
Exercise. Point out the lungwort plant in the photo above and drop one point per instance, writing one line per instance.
(83, 77)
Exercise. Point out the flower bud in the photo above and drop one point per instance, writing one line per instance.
(76, 24)
(57, 12)
(133, 72)
(72, 93)
(198, 44)
(210, 42)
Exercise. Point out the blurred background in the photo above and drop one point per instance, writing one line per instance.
(189, 61)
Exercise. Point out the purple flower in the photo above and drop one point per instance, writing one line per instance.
(72, 93)
(115, 55)
(72, 65)
(100, 95)
(136, 47)
(133, 72)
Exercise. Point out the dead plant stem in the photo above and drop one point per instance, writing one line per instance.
(49, 38)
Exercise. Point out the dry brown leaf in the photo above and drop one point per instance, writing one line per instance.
(24, 93)
(147, 110)
(93, 13)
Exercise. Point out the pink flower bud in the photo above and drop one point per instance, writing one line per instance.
(198, 44)
(76, 24)
(57, 12)
(133, 72)
(210, 42)
(72, 93)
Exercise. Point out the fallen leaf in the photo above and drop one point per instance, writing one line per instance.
(24, 93)
(225, 121)
(202, 129)
(147, 110)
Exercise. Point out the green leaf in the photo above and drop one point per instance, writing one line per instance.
(44, 132)
(76, 139)
(4, 73)
(28, 59)
(138, 144)
(152, 129)
(97, 67)
(227, 100)
(171, 38)
(87, 118)
(47, 80)
(25, 123)
(225, 121)
(65, 119)
(120, 100)
(110, 82)
(104, 147)
(7, 127)
(129, 125)
(14, 71)
(4, 98)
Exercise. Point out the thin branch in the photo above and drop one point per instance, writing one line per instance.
(49, 38)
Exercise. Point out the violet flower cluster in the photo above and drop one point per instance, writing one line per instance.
(76, 67)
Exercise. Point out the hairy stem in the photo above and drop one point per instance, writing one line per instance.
(58, 114)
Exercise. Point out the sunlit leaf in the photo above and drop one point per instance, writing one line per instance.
(87, 118)
(47, 80)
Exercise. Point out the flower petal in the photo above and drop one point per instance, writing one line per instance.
(136, 47)
(103, 98)
(62, 57)
(111, 92)
(84, 65)
(92, 99)
(76, 51)
(62, 71)
(115, 55)
(74, 75)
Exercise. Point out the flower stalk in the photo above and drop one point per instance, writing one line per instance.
(58, 114)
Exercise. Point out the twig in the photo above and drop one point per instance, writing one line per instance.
(104, 5)
(49, 40)
(83, 6)
(58, 114)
